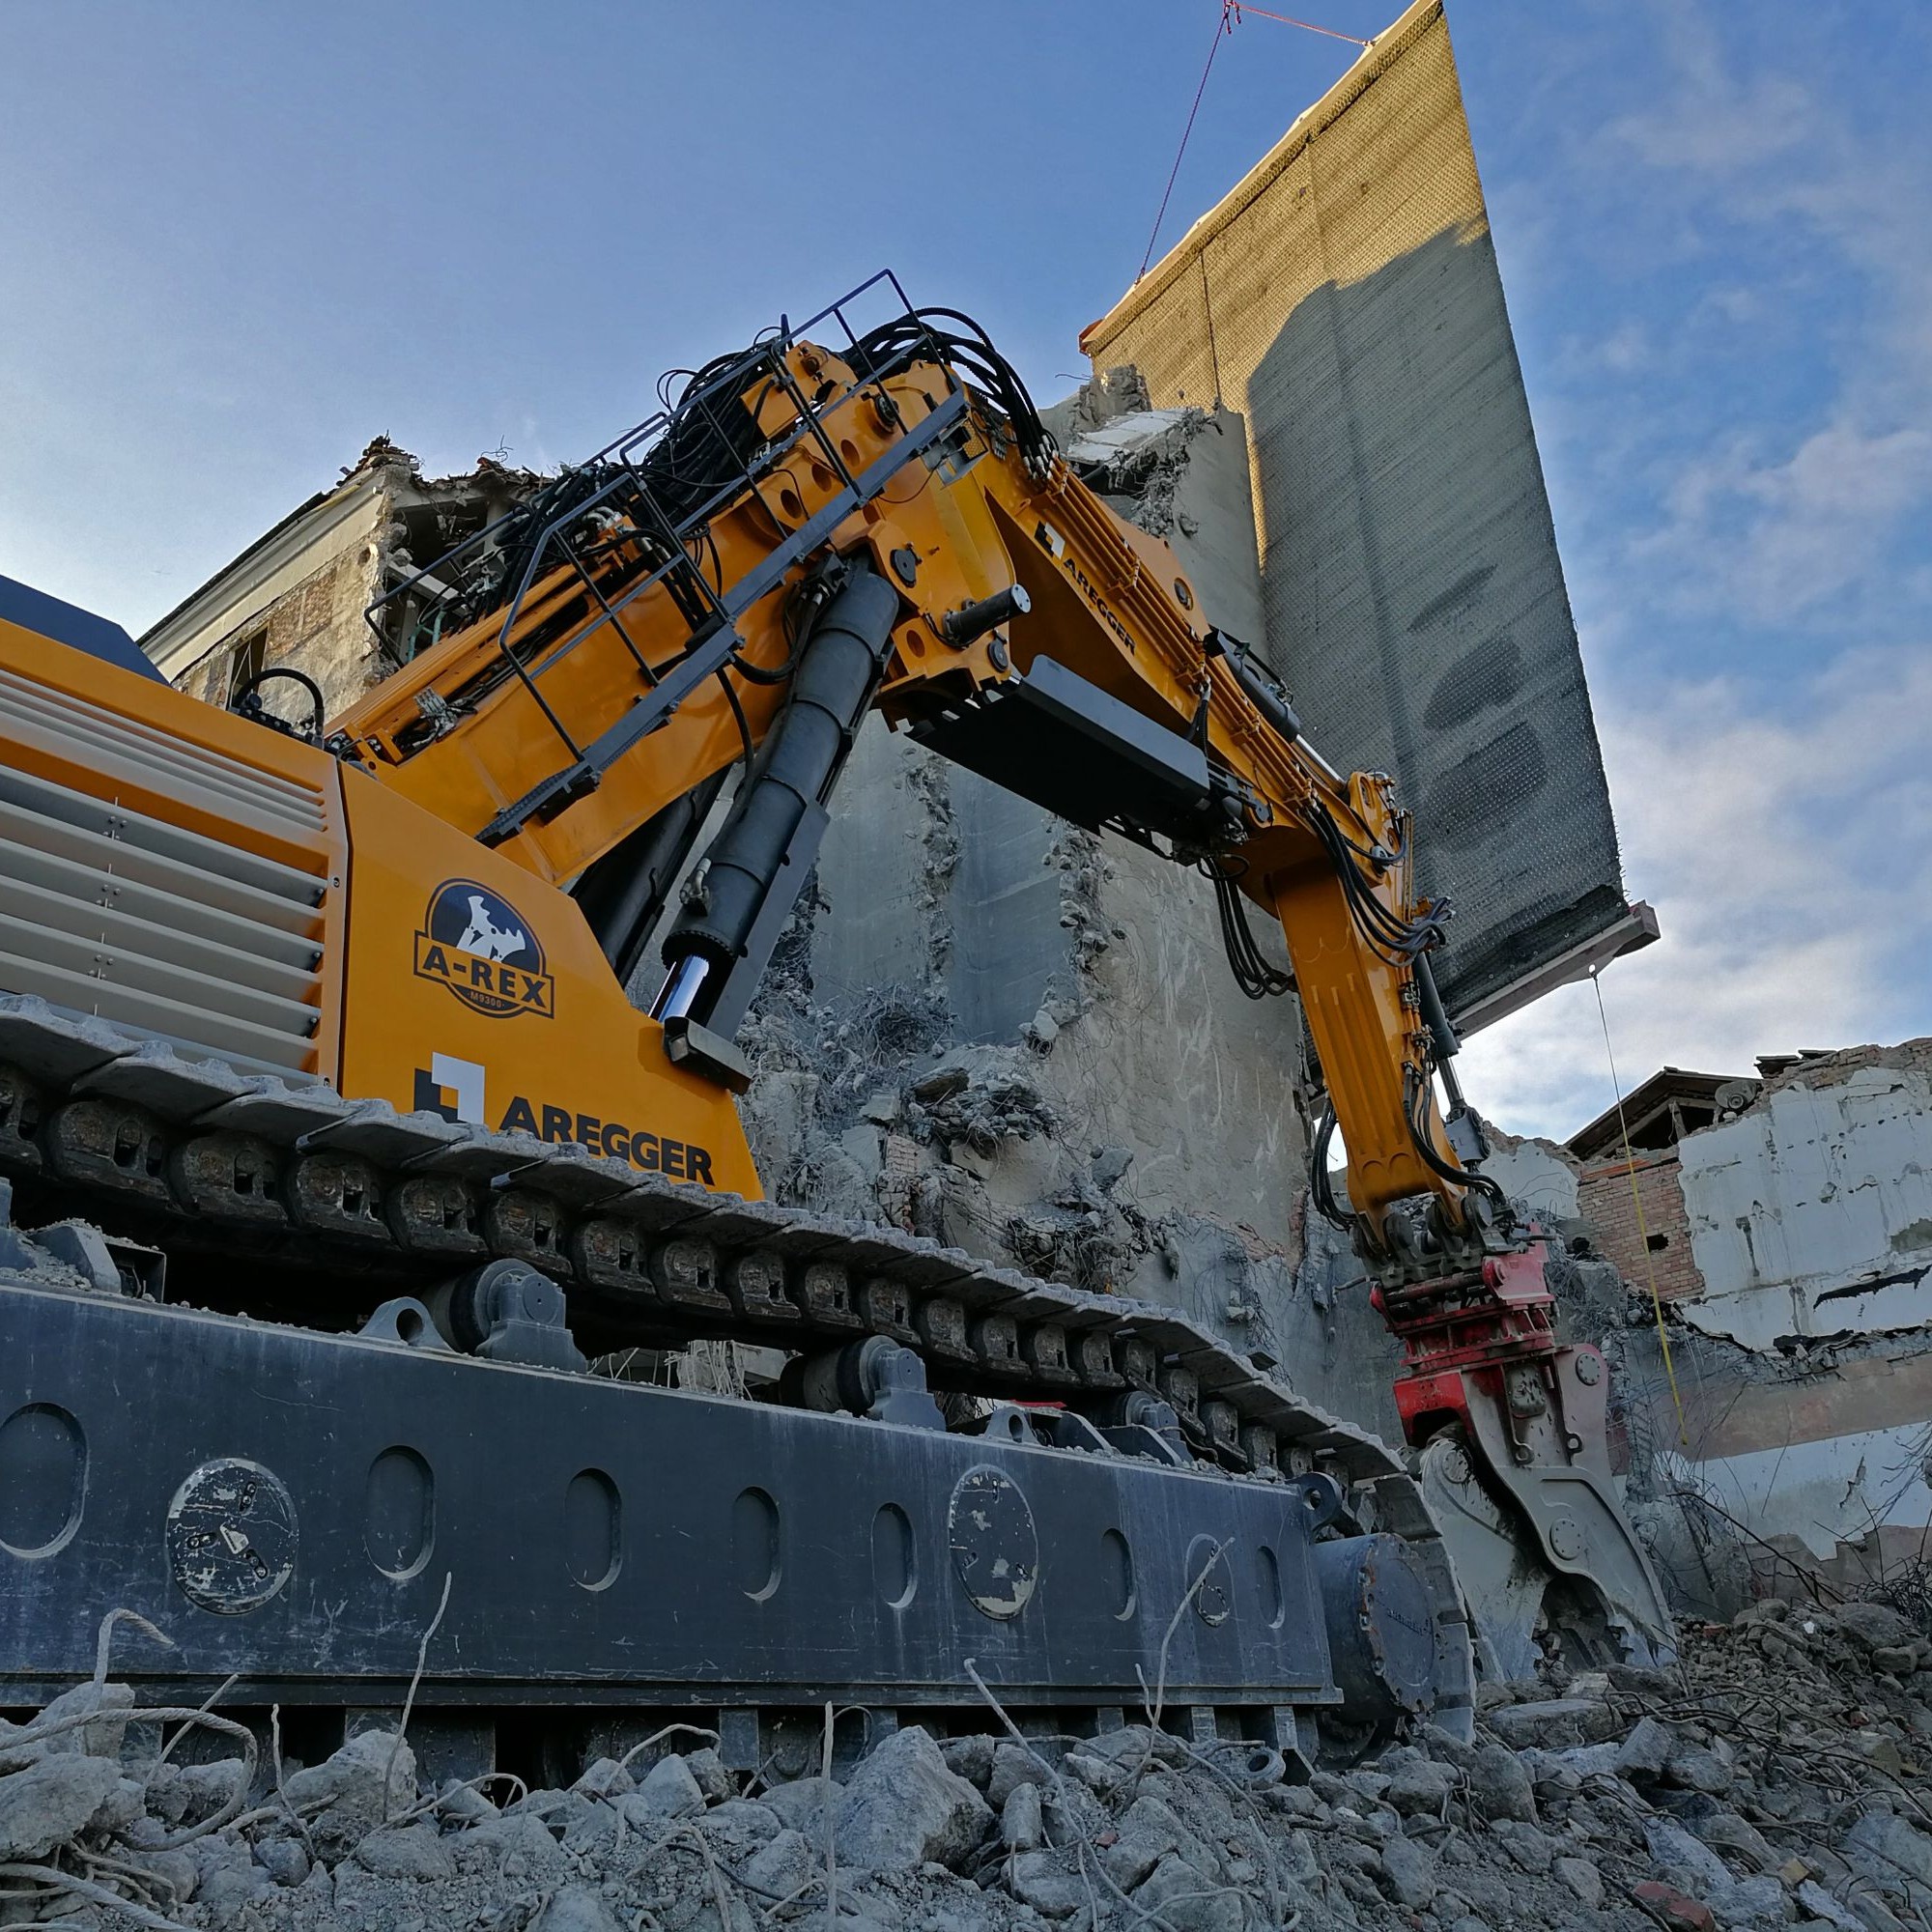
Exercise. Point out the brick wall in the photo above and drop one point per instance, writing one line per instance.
(316, 627)
(1603, 1198)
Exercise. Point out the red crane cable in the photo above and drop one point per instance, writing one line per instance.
(1239, 7)
(1222, 25)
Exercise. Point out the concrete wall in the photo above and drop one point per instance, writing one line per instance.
(1538, 1174)
(1812, 1461)
(999, 1029)
(1182, 474)
(1031, 954)
(1345, 297)
(1811, 1214)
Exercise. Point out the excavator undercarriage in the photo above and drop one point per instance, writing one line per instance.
(343, 1189)
(1135, 1513)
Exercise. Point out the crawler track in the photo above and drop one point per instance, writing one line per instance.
(289, 1204)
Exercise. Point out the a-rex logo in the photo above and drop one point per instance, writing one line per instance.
(477, 944)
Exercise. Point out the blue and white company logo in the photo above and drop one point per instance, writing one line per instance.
(477, 944)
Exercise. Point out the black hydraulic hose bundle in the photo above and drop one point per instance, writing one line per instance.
(1320, 1185)
(960, 341)
(1397, 940)
(713, 436)
(1415, 1097)
(246, 701)
(1252, 973)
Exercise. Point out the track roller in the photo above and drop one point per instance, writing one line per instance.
(877, 1377)
(508, 1311)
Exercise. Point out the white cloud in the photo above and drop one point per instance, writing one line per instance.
(1771, 539)
(1733, 303)
(1774, 521)
(1784, 834)
(1717, 118)
(1626, 349)
(1790, 862)
(1737, 141)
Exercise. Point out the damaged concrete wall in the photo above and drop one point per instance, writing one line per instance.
(1536, 1174)
(1812, 1213)
(294, 600)
(1345, 297)
(1180, 474)
(1801, 1329)
(1041, 1021)
(1808, 1465)
(998, 1029)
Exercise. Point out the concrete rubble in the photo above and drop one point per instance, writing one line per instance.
(1778, 1775)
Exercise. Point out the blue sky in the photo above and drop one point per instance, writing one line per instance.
(237, 241)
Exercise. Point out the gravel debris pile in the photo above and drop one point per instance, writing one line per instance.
(1774, 1776)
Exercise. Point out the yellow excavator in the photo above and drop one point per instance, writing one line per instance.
(340, 1169)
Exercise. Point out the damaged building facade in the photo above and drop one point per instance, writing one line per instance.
(1774, 1233)
(295, 599)
(1790, 1234)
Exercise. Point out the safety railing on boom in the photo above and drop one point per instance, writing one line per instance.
(656, 489)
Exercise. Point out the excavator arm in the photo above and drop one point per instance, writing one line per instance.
(811, 533)
(1017, 624)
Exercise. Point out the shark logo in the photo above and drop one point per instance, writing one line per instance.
(477, 944)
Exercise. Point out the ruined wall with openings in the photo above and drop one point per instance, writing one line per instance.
(295, 598)
(311, 627)
(1799, 1430)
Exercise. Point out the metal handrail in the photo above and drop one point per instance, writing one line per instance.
(632, 494)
